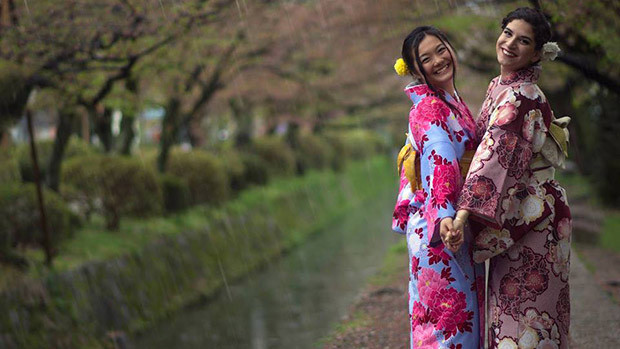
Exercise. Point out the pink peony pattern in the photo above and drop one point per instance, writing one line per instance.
(429, 284)
(446, 183)
(448, 311)
(424, 337)
(401, 213)
(419, 314)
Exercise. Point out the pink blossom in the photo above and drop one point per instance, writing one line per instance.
(506, 114)
(401, 214)
(419, 314)
(423, 337)
(446, 183)
(429, 283)
(431, 109)
(448, 310)
(564, 228)
(420, 196)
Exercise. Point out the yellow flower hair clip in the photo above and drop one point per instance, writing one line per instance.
(401, 67)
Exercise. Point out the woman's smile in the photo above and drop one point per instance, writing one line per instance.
(442, 69)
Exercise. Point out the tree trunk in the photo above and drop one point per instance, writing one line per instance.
(102, 118)
(85, 127)
(195, 134)
(244, 123)
(169, 131)
(46, 242)
(128, 133)
(63, 132)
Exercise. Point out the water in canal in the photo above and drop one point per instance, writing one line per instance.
(297, 299)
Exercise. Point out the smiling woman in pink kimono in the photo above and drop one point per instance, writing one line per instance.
(510, 188)
(443, 299)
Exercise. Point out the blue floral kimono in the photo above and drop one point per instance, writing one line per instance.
(445, 289)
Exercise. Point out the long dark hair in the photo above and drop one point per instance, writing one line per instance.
(411, 54)
(540, 25)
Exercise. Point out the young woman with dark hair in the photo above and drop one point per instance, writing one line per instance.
(443, 283)
(510, 189)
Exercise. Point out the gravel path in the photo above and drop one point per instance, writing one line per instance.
(595, 318)
(378, 319)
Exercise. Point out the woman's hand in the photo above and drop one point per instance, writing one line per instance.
(450, 237)
(458, 227)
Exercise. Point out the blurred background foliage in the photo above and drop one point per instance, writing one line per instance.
(175, 104)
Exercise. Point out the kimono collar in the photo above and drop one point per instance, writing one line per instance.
(528, 74)
(416, 92)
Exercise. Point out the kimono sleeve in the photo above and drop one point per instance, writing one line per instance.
(402, 209)
(439, 167)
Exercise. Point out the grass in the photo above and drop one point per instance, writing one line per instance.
(580, 188)
(392, 264)
(610, 236)
(94, 242)
(358, 319)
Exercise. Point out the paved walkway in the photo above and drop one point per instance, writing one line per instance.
(595, 318)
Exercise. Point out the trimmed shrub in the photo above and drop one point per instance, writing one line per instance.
(114, 185)
(78, 147)
(276, 154)
(361, 144)
(79, 184)
(175, 193)
(204, 174)
(235, 169)
(26, 169)
(255, 169)
(9, 167)
(313, 152)
(20, 216)
(340, 152)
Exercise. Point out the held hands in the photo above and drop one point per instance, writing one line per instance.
(451, 237)
(452, 230)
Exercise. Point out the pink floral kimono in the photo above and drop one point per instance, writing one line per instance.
(443, 298)
(510, 188)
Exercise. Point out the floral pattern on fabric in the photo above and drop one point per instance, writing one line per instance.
(525, 216)
(444, 288)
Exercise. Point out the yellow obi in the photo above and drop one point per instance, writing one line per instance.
(410, 160)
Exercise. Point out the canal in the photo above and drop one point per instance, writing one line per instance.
(294, 301)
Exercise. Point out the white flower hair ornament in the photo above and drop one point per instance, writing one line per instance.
(550, 51)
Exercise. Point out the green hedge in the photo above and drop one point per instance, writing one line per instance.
(114, 185)
(9, 167)
(255, 171)
(175, 192)
(276, 154)
(360, 144)
(20, 216)
(314, 152)
(204, 174)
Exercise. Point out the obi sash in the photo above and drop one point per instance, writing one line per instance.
(409, 159)
(554, 151)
